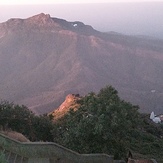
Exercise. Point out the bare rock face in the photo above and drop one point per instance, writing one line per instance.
(69, 103)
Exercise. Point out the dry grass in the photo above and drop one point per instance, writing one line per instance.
(15, 135)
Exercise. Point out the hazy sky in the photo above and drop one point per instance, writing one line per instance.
(139, 17)
(10, 2)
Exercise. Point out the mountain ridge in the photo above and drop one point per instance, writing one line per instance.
(40, 63)
(44, 22)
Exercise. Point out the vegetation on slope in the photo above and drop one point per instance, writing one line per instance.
(21, 119)
(2, 158)
(106, 124)
(103, 123)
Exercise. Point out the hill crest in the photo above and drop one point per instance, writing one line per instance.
(44, 22)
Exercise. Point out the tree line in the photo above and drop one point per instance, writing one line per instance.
(103, 123)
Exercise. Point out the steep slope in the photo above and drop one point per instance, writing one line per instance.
(69, 103)
(42, 59)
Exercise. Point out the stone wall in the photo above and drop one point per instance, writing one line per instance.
(46, 152)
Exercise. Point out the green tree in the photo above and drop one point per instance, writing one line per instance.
(100, 125)
(15, 117)
(2, 158)
(21, 119)
(42, 126)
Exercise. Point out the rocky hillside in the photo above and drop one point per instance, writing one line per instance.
(42, 59)
(69, 103)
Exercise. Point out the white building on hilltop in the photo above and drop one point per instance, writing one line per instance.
(154, 118)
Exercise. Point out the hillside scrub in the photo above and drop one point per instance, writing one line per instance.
(2, 158)
(103, 123)
(21, 119)
(106, 124)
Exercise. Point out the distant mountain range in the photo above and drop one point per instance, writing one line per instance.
(42, 59)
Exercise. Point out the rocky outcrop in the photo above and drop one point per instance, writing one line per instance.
(69, 103)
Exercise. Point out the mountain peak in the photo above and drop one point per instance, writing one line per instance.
(45, 22)
(37, 22)
(41, 18)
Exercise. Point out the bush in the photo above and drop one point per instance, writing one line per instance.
(2, 158)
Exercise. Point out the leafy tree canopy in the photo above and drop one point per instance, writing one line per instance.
(21, 119)
(104, 123)
(100, 125)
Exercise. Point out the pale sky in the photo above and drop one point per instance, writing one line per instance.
(143, 18)
(25, 2)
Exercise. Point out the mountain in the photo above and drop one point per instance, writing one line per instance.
(43, 59)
